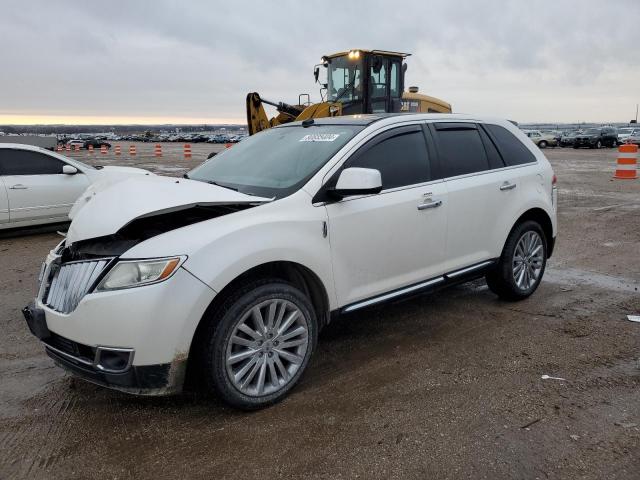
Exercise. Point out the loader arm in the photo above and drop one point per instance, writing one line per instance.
(257, 119)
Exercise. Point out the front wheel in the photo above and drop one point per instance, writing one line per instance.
(598, 144)
(542, 144)
(261, 345)
(522, 263)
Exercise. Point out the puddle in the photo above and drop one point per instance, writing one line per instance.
(574, 276)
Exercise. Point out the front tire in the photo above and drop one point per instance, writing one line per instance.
(522, 263)
(258, 350)
(542, 144)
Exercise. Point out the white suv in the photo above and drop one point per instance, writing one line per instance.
(234, 270)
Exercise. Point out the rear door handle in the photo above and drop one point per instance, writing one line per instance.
(18, 186)
(424, 206)
(507, 186)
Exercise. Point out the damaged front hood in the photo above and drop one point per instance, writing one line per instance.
(106, 208)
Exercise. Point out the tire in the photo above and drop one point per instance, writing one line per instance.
(598, 144)
(542, 144)
(614, 143)
(502, 280)
(233, 319)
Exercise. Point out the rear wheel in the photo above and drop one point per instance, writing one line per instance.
(542, 144)
(522, 263)
(261, 345)
(598, 144)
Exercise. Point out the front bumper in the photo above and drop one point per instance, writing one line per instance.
(154, 323)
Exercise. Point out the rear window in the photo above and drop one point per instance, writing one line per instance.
(513, 151)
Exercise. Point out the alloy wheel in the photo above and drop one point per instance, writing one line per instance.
(267, 347)
(528, 260)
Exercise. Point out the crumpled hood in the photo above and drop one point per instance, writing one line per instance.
(105, 207)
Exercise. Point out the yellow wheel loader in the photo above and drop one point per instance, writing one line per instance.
(358, 81)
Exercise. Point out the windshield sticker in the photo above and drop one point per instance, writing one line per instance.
(320, 137)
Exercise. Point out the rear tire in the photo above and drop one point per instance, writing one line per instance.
(542, 144)
(267, 370)
(598, 144)
(522, 263)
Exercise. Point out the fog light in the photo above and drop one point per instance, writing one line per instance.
(113, 360)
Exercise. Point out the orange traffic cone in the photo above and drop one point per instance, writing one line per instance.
(228, 145)
(90, 148)
(118, 150)
(103, 149)
(59, 148)
(68, 148)
(187, 150)
(627, 162)
(157, 152)
(132, 150)
(76, 147)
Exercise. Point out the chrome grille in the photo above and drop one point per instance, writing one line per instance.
(71, 282)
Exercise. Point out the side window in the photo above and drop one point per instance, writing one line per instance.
(513, 151)
(394, 80)
(26, 162)
(495, 160)
(401, 158)
(460, 149)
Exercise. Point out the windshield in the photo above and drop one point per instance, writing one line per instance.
(625, 130)
(592, 131)
(275, 162)
(345, 80)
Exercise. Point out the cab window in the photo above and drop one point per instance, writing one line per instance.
(26, 162)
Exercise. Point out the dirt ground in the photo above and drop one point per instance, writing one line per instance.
(447, 385)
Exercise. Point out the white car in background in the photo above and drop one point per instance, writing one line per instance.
(625, 133)
(38, 186)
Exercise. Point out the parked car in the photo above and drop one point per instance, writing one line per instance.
(633, 138)
(626, 132)
(73, 143)
(96, 143)
(567, 138)
(232, 271)
(38, 186)
(542, 140)
(597, 138)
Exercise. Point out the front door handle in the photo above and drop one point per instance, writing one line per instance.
(424, 206)
(18, 186)
(507, 186)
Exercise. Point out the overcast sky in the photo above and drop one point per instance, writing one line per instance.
(194, 61)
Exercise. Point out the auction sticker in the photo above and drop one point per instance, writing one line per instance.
(320, 137)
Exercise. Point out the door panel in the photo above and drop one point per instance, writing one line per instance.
(4, 203)
(383, 242)
(481, 207)
(33, 197)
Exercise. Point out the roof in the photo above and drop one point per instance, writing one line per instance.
(380, 52)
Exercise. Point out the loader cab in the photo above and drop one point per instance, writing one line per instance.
(365, 81)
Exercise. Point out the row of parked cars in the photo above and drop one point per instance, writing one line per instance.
(597, 137)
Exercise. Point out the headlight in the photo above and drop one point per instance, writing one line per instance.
(135, 273)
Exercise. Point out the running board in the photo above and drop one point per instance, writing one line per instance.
(447, 279)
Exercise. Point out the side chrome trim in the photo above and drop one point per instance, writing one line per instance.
(394, 294)
(457, 273)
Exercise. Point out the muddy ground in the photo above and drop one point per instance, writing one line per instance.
(447, 385)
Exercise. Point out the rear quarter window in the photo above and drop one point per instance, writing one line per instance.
(513, 151)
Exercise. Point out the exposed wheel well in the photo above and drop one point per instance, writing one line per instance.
(541, 217)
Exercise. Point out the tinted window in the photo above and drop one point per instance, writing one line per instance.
(513, 151)
(25, 162)
(401, 158)
(495, 160)
(461, 151)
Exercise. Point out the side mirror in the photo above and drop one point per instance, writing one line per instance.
(357, 181)
(69, 170)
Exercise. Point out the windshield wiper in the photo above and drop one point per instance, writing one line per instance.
(211, 182)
